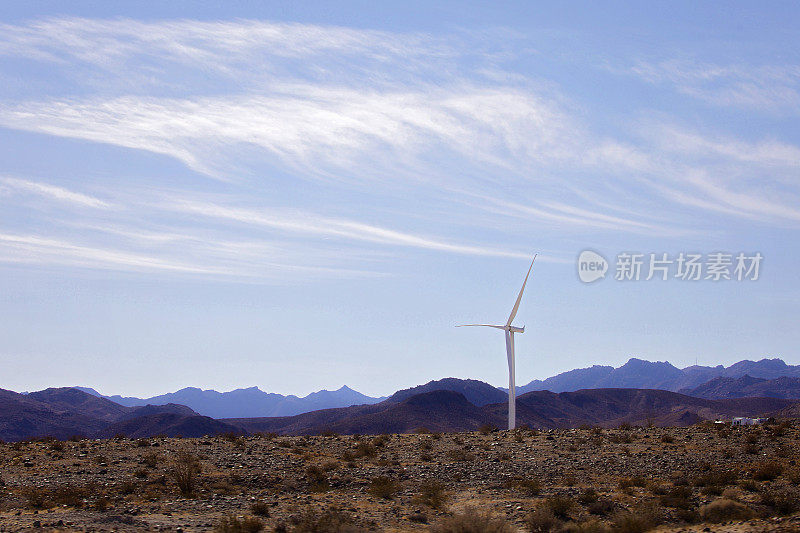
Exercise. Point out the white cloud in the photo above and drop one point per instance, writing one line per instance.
(318, 129)
(379, 114)
(772, 88)
(53, 192)
(312, 224)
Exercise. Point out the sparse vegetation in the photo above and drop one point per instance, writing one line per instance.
(113, 476)
(232, 524)
(317, 479)
(329, 520)
(472, 521)
(183, 470)
(767, 471)
(723, 510)
(383, 487)
(432, 494)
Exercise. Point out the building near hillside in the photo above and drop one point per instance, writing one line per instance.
(745, 421)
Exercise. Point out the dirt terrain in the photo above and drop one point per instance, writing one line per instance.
(700, 478)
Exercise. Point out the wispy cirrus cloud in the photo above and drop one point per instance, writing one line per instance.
(52, 192)
(240, 53)
(773, 88)
(382, 115)
(319, 130)
(310, 224)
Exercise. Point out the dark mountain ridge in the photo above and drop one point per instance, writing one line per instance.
(66, 412)
(450, 411)
(476, 392)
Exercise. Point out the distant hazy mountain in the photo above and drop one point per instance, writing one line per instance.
(476, 392)
(640, 374)
(747, 387)
(567, 381)
(249, 402)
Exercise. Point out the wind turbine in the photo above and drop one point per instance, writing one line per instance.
(510, 330)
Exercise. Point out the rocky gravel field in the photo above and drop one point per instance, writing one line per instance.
(708, 477)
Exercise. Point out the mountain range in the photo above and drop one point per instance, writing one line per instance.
(252, 402)
(638, 392)
(66, 412)
(249, 402)
(445, 410)
(640, 374)
(747, 387)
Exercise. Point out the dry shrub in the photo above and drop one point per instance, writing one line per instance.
(472, 521)
(231, 524)
(383, 487)
(365, 449)
(330, 466)
(380, 440)
(767, 471)
(667, 438)
(69, 495)
(528, 486)
(183, 470)
(590, 526)
(637, 520)
(542, 520)
(102, 504)
(626, 483)
(260, 509)
(330, 520)
(126, 487)
(782, 502)
(677, 497)
(723, 510)
(460, 455)
(317, 479)
(37, 498)
(602, 507)
(150, 460)
(716, 478)
(588, 496)
(560, 506)
(432, 494)
(793, 476)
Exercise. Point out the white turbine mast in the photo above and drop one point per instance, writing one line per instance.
(510, 330)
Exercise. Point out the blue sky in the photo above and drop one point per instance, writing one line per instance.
(302, 195)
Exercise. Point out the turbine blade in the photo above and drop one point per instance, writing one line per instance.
(481, 325)
(519, 298)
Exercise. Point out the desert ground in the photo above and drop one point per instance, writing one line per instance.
(705, 477)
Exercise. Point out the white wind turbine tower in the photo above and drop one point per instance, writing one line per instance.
(510, 330)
